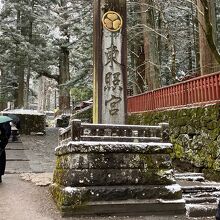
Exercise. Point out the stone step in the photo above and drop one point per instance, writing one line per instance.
(16, 155)
(15, 138)
(190, 176)
(215, 194)
(201, 210)
(201, 197)
(126, 192)
(13, 167)
(15, 146)
(128, 208)
(198, 189)
(198, 200)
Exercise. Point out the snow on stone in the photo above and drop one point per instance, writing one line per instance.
(70, 189)
(171, 201)
(173, 188)
(162, 145)
(191, 178)
(97, 143)
(169, 172)
(103, 146)
(23, 112)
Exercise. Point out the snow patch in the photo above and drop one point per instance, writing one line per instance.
(174, 188)
(171, 201)
(70, 189)
(23, 112)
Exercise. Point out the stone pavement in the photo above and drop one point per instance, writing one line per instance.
(22, 200)
(35, 154)
(29, 166)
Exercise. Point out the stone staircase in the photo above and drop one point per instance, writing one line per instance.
(201, 196)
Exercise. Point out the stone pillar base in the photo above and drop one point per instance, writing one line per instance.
(93, 178)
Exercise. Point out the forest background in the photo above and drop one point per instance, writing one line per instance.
(46, 48)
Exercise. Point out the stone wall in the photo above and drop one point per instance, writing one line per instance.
(195, 134)
(29, 122)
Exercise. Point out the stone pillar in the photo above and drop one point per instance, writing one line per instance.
(110, 62)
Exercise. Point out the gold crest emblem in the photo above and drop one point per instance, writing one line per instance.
(112, 21)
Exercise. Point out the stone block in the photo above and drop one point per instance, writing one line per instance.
(113, 161)
(113, 147)
(73, 195)
(123, 200)
(109, 177)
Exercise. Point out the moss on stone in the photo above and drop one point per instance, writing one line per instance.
(178, 151)
(212, 174)
(158, 176)
(63, 198)
(216, 165)
(152, 161)
(58, 162)
(57, 176)
(200, 125)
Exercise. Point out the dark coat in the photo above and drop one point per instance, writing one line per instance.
(6, 127)
(5, 132)
(218, 212)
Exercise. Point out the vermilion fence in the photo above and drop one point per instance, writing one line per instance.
(199, 90)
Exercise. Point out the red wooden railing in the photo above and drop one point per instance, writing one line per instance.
(199, 90)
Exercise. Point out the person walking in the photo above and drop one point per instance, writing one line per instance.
(5, 132)
(217, 216)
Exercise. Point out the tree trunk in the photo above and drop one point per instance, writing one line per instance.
(152, 73)
(64, 74)
(208, 61)
(140, 70)
(19, 70)
(190, 64)
(30, 36)
(195, 38)
(3, 103)
(133, 78)
(159, 38)
(41, 94)
(64, 98)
